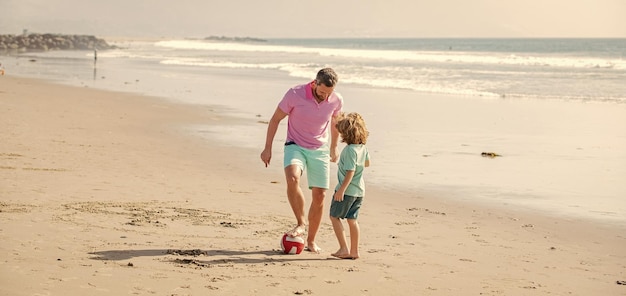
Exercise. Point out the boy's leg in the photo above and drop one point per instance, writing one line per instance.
(341, 238)
(354, 238)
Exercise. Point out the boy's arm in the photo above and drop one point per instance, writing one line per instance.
(342, 189)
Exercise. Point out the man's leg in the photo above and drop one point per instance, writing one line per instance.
(296, 198)
(315, 216)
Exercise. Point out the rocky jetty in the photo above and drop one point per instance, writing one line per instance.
(45, 42)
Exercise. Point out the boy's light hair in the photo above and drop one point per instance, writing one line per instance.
(352, 128)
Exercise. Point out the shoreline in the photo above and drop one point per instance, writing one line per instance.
(99, 187)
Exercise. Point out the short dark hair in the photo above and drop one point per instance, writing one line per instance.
(327, 76)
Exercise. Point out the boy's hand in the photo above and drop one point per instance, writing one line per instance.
(338, 196)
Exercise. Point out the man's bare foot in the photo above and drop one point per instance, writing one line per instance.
(347, 257)
(344, 255)
(312, 247)
(340, 253)
(296, 231)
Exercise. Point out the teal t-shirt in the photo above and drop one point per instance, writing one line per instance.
(353, 158)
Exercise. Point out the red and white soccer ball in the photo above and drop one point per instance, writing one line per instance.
(291, 244)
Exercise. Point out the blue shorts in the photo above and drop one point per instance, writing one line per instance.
(316, 164)
(348, 208)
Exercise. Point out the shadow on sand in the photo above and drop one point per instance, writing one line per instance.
(203, 257)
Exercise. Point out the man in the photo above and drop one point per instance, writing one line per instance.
(312, 109)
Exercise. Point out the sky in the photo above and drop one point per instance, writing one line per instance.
(318, 19)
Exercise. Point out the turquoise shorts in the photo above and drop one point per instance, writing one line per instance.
(316, 164)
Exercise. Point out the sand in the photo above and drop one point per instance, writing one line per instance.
(104, 193)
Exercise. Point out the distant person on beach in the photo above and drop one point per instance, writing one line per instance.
(1, 69)
(310, 146)
(350, 189)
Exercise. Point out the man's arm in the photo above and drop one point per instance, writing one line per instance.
(272, 127)
(334, 138)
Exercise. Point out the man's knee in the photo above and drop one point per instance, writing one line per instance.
(292, 175)
(318, 195)
(318, 192)
(293, 180)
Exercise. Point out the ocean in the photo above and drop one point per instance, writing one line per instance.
(432, 106)
(569, 69)
(475, 67)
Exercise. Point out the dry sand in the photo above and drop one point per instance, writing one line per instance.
(104, 193)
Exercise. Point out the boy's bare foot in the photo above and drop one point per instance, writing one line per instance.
(296, 231)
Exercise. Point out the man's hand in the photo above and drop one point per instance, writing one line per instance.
(334, 152)
(266, 156)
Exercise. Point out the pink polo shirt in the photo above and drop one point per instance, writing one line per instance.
(309, 122)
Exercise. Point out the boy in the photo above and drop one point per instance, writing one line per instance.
(350, 190)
